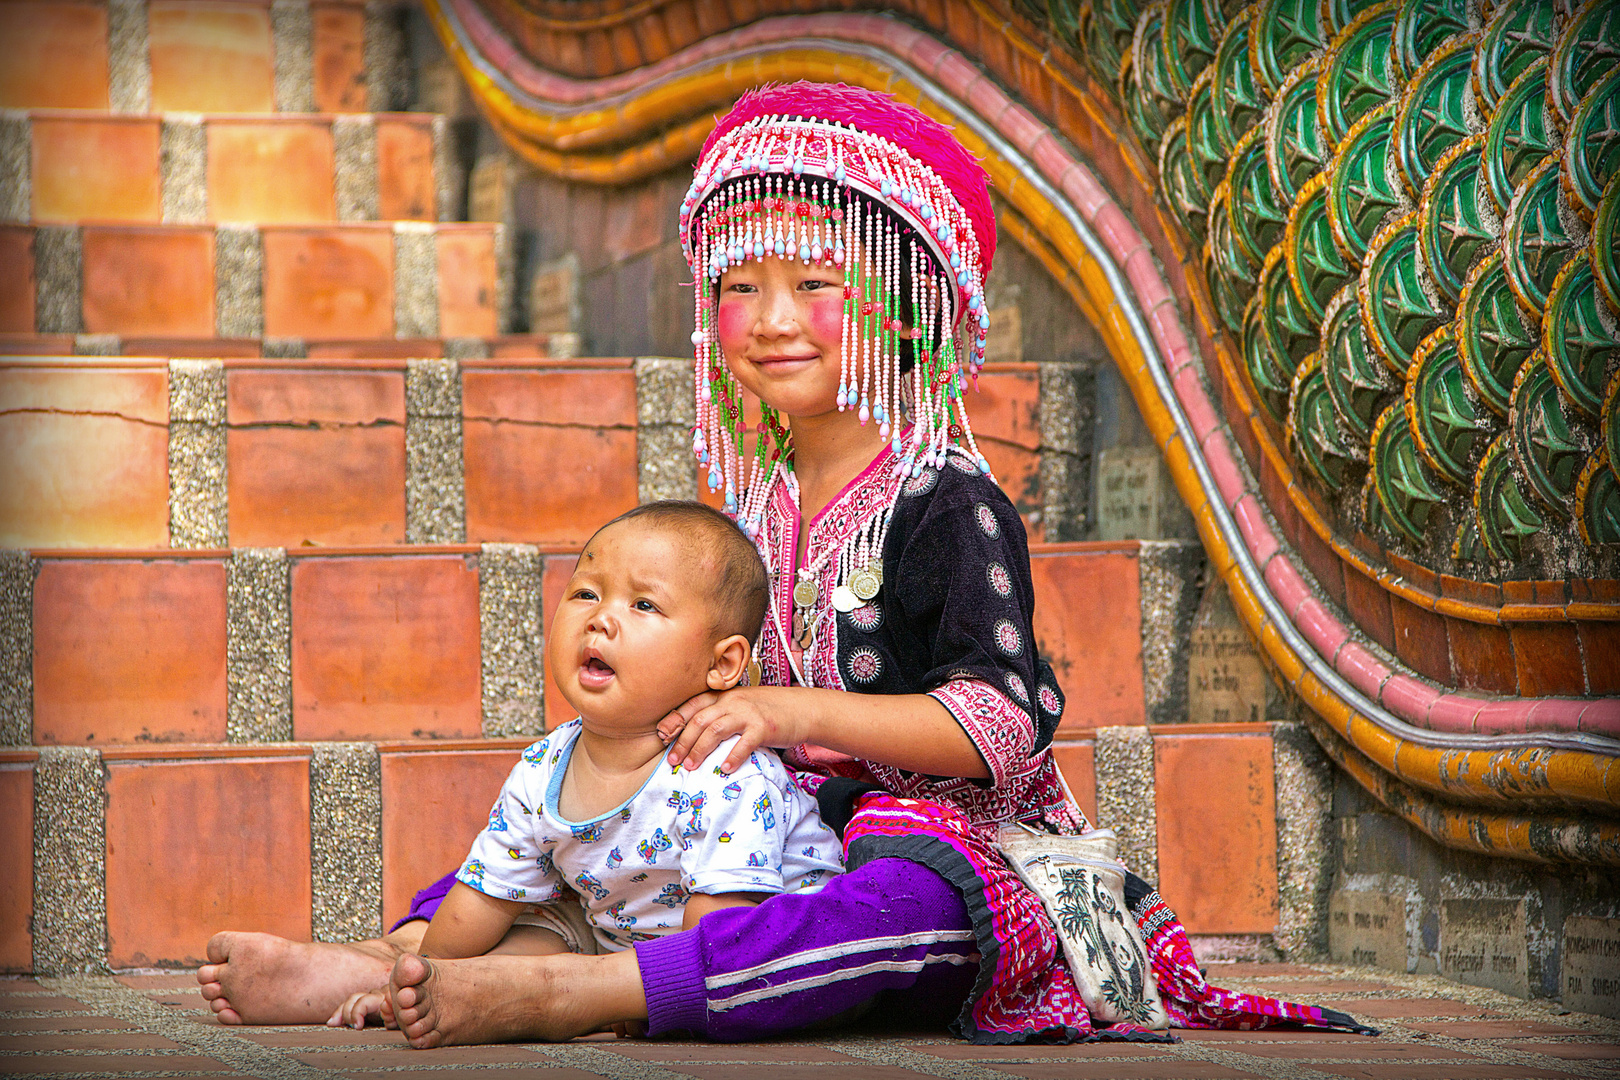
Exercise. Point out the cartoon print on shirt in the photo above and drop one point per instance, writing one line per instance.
(731, 791)
(546, 866)
(762, 811)
(614, 859)
(757, 858)
(620, 919)
(672, 895)
(587, 834)
(588, 882)
(649, 849)
(497, 817)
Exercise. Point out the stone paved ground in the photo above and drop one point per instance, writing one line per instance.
(131, 1027)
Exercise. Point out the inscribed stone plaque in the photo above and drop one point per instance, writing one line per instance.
(489, 189)
(1225, 682)
(1368, 929)
(1592, 965)
(1483, 943)
(1128, 493)
(554, 297)
(1006, 341)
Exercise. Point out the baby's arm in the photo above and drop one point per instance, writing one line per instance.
(469, 923)
(700, 904)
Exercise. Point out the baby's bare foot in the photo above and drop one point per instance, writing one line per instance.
(264, 979)
(510, 998)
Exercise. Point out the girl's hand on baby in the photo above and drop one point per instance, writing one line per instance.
(709, 719)
(359, 1008)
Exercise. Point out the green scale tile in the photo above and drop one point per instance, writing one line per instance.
(1316, 267)
(1405, 489)
(1257, 217)
(1579, 337)
(1493, 336)
(1182, 183)
(1597, 497)
(1587, 50)
(1548, 446)
(1449, 429)
(1591, 154)
(1192, 34)
(1456, 225)
(1604, 247)
(1295, 149)
(1421, 27)
(1433, 113)
(1537, 238)
(1267, 366)
(1519, 33)
(1503, 514)
(1363, 189)
(1282, 34)
(1523, 133)
(1398, 304)
(1358, 384)
(1313, 429)
(1240, 101)
(1356, 76)
(1231, 275)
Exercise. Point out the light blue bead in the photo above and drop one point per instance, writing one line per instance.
(984, 322)
(886, 189)
(839, 175)
(973, 303)
(804, 252)
(759, 249)
(714, 479)
(961, 278)
(956, 261)
(927, 213)
(780, 246)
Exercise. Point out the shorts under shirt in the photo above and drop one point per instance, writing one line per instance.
(684, 832)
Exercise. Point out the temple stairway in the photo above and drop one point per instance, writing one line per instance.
(286, 508)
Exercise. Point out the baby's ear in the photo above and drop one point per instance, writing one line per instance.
(730, 661)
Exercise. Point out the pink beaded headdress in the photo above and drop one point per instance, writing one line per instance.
(833, 174)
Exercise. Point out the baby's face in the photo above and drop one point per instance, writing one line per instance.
(634, 635)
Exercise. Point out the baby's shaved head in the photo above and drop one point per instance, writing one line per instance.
(737, 589)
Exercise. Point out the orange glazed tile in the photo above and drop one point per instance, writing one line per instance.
(467, 282)
(210, 57)
(333, 282)
(270, 170)
(194, 847)
(1088, 622)
(1217, 786)
(149, 279)
(559, 568)
(17, 283)
(100, 167)
(433, 804)
(315, 457)
(405, 188)
(129, 651)
(87, 457)
(340, 57)
(17, 855)
(56, 55)
(550, 455)
(385, 647)
(1482, 657)
(1077, 762)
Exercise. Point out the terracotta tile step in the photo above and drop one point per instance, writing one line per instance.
(359, 280)
(564, 346)
(188, 56)
(138, 453)
(185, 168)
(379, 643)
(164, 805)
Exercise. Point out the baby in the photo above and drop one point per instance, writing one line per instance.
(596, 842)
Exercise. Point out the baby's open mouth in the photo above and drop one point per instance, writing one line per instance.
(596, 667)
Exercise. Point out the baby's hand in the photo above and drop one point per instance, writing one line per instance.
(356, 1011)
(709, 719)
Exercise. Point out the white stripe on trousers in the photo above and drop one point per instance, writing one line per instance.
(829, 952)
(810, 982)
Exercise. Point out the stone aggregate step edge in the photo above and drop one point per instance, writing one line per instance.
(183, 161)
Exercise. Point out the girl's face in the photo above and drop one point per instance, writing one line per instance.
(781, 326)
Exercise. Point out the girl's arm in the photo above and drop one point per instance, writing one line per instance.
(906, 731)
(468, 923)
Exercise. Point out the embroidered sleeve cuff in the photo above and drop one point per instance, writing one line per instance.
(1000, 730)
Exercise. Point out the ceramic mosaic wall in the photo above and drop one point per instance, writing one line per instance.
(1408, 216)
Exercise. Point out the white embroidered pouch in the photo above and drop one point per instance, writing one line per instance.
(1082, 886)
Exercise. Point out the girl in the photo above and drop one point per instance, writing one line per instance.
(840, 242)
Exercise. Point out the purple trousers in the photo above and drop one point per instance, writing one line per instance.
(891, 940)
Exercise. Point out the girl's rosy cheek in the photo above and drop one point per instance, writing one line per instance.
(826, 318)
(732, 320)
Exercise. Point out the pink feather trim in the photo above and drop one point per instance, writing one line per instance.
(879, 114)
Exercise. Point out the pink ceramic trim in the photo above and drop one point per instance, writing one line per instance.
(1409, 698)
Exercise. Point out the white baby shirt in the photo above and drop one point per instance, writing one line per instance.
(633, 867)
